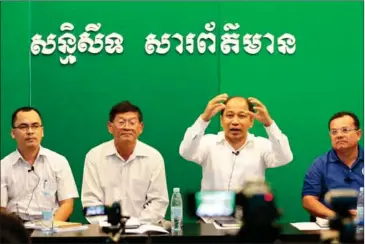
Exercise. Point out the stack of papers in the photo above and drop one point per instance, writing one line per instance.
(308, 226)
(58, 226)
(132, 223)
(133, 226)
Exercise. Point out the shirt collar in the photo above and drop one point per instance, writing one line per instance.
(18, 155)
(138, 150)
(334, 158)
(221, 137)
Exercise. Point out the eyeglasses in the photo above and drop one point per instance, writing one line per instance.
(25, 127)
(344, 130)
(122, 123)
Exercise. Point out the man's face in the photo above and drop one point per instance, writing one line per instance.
(343, 133)
(126, 127)
(235, 119)
(28, 130)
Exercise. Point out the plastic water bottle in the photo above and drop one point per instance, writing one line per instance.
(176, 210)
(47, 212)
(360, 211)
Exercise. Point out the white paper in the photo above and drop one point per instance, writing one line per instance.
(146, 228)
(322, 222)
(132, 222)
(30, 225)
(76, 228)
(307, 226)
(218, 227)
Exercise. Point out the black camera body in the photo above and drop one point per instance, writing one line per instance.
(259, 211)
(113, 212)
(341, 201)
(259, 214)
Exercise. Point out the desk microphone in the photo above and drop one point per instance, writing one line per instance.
(236, 153)
(347, 179)
(31, 169)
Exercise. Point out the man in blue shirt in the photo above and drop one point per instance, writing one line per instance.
(341, 167)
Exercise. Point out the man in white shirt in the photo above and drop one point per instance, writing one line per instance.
(30, 170)
(233, 156)
(126, 170)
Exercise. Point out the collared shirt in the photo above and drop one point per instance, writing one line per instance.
(22, 189)
(138, 183)
(227, 169)
(329, 172)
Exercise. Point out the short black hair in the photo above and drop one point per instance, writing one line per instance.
(12, 230)
(250, 105)
(342, 114)
(124, 107)
(23, 109)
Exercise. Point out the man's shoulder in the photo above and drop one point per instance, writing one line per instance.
(101, 148)
(52, 156)
(321, 161)
(147, 150)
(8, 159)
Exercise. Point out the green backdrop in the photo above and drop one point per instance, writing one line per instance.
(301, 90)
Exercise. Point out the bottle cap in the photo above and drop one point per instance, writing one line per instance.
(176, 190)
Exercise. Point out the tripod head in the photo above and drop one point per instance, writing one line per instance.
(259, 213)
(114, 217)
(342, 225)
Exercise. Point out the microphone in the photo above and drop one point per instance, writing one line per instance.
(347, 179)
(236, 153)
(31, 169)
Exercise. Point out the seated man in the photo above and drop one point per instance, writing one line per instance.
(234, 156)
(341, 167)
(126, 170)
(26, 171)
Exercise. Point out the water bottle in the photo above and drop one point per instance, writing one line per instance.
(47, 212)
(176, 210)
(360, 212)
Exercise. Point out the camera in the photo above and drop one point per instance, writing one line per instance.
(113, 212)
(342, 226)
(114, 218)
(259, 212)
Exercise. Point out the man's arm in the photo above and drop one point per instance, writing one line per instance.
(157, 196)
(66, 191)
(316, 208)
(312, 190)
(91, 193)
(4, 188)
(193, 148)
(65, 210)
(277, 150)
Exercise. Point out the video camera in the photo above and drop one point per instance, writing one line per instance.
(342, 226)
(259, 211)
(114, 218)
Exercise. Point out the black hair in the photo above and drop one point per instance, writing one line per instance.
(250, 105)
(22, 109)
(124, 107)
(342, 114)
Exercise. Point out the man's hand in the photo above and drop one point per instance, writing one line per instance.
(214, 106)
(353, 212)
(261, 114)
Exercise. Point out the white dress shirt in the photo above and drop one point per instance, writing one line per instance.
(139, 183)
(22, 189)
(224, 170)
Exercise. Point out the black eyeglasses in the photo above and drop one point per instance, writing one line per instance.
(25, 127)
(344, 130)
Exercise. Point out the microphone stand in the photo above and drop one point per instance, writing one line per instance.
(116, 232)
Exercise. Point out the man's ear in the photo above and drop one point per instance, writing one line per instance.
(359, 134)
(110, 127)
(12, 134)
